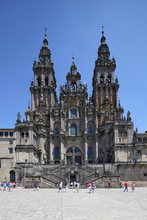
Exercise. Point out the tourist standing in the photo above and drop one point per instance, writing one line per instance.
(89, 187)
(126, 186)
(133, 186)
(93, 187)
(78, 187)
(4, 186)
(9, 186)
(60, 186)
(1, 185)
(36, 187)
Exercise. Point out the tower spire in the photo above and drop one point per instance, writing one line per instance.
(45, 41)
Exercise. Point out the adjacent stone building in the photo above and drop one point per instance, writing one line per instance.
(76, 138)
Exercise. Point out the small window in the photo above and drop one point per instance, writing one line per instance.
(56, 131)
(139, 139)
(1, 134)
(46, 81)
(26, 140)
(11, 150)
(27, 135)
(139, 151)
(11, 141)
(39, 81)
(22, 135)
(11, 134)
(6, 134)
(145, 174)
(145, 140)
(57, 153)
(26, 160)
(90, 131)
(90, 152)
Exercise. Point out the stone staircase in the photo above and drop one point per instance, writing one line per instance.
(51, 175)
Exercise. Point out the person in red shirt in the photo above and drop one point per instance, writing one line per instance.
(126, 186)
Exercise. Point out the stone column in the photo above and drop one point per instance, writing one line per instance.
(86, 149)
(85, 121)
(62, 149)
(51, 150)
(96, 150)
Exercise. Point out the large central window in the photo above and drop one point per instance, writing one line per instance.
(73, 113)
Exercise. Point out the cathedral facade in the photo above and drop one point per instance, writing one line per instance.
(73, 137)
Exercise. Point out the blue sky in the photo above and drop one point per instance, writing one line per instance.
(74, 27)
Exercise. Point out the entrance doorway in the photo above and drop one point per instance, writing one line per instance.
(12, 176)
(73, 178)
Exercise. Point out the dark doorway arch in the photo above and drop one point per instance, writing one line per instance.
(12, 176)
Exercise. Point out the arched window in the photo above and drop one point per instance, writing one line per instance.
(22, 135)
(57, 153)
(73, 87)
(90, 153)
(77, 150)
(70, 150)
(109, 78)
(73, 129)
(12, 176)
(56, 131)
(101, 79)
(27, 135)
(39, 81)
(46, 81)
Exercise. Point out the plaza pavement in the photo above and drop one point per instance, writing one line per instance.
(48, 204)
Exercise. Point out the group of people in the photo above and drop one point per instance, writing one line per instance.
(66, 186)
(7, 186)
(91, 187)
(76, 185)
(126, 185)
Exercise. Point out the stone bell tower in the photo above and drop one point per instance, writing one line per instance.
(43, 87)
(105, 85)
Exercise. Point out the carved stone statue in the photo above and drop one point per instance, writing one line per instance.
(128, 116)
(45, 158)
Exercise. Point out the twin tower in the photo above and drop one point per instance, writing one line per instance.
(75, 129)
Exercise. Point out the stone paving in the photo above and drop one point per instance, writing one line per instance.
(48, 204)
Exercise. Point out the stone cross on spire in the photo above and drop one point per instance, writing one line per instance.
(45, 32)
